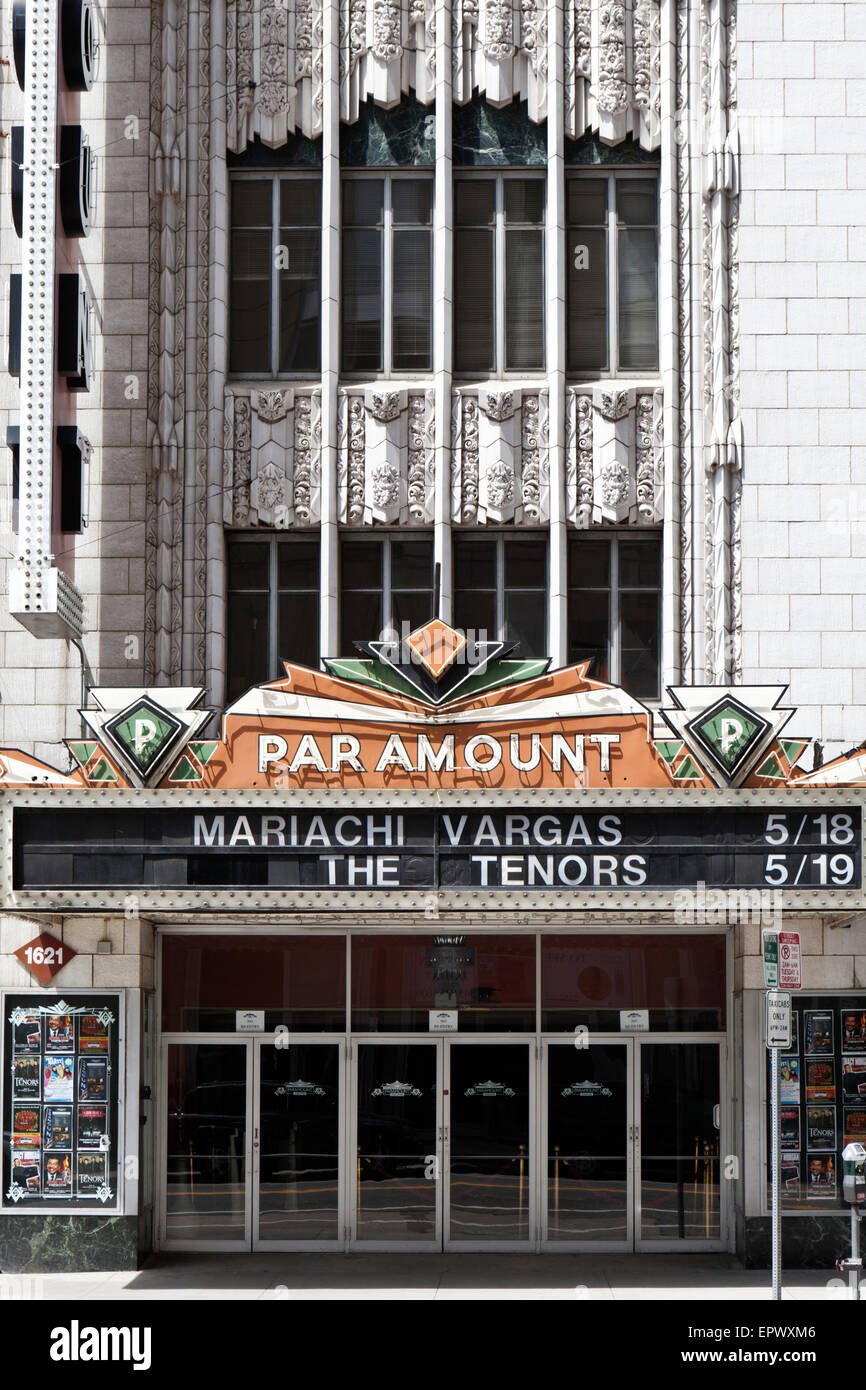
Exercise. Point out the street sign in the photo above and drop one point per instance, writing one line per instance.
(790, 976)
(778, 1019)
(770, 950)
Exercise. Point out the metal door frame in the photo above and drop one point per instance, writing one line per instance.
(623, 1247)
(350, 1150)
(530, 1245)
(161, 1238)
(259, 1042)
(644, 1246)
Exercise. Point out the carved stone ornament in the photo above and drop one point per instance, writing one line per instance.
(499, 480)
(614, 457)
(385, 484)
(613, 405)
(385, 407)
(615, 483)
(499, 407)
(271, 405)
(612, 69)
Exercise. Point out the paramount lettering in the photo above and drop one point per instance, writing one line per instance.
(309, 753)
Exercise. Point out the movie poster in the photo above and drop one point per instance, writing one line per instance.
(819, 1033)
(791, 1176)
(27, 1035)
(820, 1081)
(59, 1033)
(57, 1175)
(790, 1127)
(795, 1031)
(821, 1176)
(820, 1127)
(92, 1078)
(789, 1080)
(854, 1080)
(92, 1127)
(57, 1077)
(26, 1078)
(855, 1127)
(91, 1173)
(92, 1033)
(25, 1127)
(25, 1171)
(853, 1024)
(57, 1127)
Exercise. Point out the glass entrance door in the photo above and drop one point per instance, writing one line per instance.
(632, 1142)
(678, 1098)
(396, 1154)
(297, 1134)
(490, 1187)
(207, 1146)
(590, 1148)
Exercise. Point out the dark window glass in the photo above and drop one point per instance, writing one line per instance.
(613, 609)
(412, 278)
(273, 609)
(362, 300)
(474, 267)
(299, 980)
(250, 319)
(500, 589)
(361, 565)
(587, 272)
(397, 980)
(384, 584)
(293, 256)
(588, 979)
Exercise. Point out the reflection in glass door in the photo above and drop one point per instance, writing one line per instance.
(679, 1093)
(206, 1145)
(490, 1178)
(589, 1170)
(396, 1178)
(298, 1134)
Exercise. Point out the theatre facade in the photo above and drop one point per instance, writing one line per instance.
(434, 949)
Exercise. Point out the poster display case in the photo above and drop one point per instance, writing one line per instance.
(61, 1093)
(822, 1096)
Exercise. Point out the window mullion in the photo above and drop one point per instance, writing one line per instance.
(275, 278)
(273, 610)
(615, 662)
(387, 601)
(612, 289)
(499, 295)
(500, 588)
(387, 275)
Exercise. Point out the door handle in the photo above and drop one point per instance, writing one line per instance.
(633, 1133)
(255, 1138)
(716, 1117)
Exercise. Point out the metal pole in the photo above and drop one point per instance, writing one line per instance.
(854, 1272)
(775, 1123)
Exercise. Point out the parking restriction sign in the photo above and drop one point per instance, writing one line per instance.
(789, 960)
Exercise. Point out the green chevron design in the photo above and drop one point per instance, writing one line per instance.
(687, 770)
(771, 768)
(668, 749)
(203, 751)
(82, 752)
(380, 677)
(185, 772)
(103, 772)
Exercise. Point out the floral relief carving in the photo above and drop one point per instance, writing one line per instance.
(613, 89)
(642, 61)
(271, 406)
(385, 485)
(357, 447)
(470, 459)
(274, 73)
(420, 459)
(243, 453)
(584, 458)
(615, 483)
(499, 30)
(385, 406)
(645, 458)
(499, 407)
(614, 405)
(499, 480)
(307, 453)
(531, 457)
(386, 30)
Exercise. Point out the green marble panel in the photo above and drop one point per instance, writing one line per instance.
(589, 149)
(808, 1242)
(379, 139)
(67, 1244)
(297, 152)
(487, 135)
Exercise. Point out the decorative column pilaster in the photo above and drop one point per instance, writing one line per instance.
(328, 617)
(555, 334)
(443, 317)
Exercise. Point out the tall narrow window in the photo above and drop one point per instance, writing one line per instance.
(612, 269)
(500, 589)
(387, 274)
(614, 609)
(498, 273)
(273, 608)
(386, 585)
(275, 275)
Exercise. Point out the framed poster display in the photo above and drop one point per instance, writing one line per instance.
(61, 1102)
(822, 1091)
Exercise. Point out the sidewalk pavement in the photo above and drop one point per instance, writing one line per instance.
(692, 1278)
